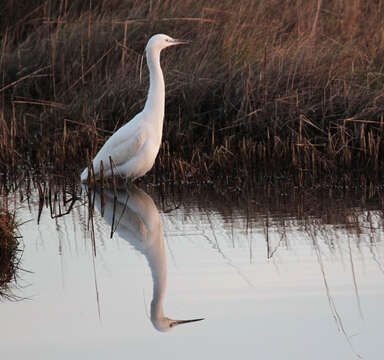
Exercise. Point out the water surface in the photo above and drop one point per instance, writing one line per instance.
(275, 275)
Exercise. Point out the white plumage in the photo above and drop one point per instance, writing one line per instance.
(134, 147)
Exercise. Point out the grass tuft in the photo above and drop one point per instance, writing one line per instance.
(9, 253)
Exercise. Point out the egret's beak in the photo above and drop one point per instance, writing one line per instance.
(178, 322)
(181, 42)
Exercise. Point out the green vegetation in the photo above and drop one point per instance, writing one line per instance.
(290, 88)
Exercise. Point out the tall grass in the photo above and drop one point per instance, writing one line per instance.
(9, 253)
(293, 88)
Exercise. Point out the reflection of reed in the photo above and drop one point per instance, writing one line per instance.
(329, 223)
(331, 302)
(280, 212)
(278, 209)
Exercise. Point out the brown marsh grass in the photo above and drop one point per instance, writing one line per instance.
(294, 89)
(9, 253)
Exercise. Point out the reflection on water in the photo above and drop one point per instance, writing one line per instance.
(268, 266)
(135, 218)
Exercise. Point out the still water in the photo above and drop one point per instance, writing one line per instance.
(275, 275)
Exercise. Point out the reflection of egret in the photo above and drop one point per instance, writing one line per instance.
(138, 221)
(134, 147)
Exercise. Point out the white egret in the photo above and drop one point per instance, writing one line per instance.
(139, 222)
(134, 147)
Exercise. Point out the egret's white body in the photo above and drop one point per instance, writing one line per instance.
(139, 222)
(134, 147)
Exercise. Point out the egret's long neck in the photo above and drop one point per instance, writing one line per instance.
(156, 94)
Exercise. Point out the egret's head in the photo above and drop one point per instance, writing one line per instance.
(165, 324)
(161, 41)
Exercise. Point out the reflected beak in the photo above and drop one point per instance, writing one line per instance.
(178, 322)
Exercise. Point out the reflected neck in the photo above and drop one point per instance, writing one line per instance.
(157, 263)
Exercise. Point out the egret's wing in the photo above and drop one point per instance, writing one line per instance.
(121, 147)
(128, 149)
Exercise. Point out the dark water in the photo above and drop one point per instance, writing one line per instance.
(277, 273)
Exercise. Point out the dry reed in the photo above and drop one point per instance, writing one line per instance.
(9, 253)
